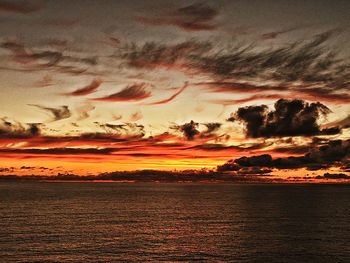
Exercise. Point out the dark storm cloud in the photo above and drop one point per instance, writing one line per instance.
(289, 118)
(20, 6)
(59, 113)
(11, 129)
(91, 88)
(194, 17)
(133, 92)
(334, 153)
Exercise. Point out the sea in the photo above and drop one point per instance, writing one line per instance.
(173, 222)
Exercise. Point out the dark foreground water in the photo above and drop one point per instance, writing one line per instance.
(109, 222)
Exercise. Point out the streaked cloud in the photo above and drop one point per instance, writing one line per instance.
(194, 17)
(20, 6)
(58, 113)
(89, 89)
(133, 92)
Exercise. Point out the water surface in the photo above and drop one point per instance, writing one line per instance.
(108, 222)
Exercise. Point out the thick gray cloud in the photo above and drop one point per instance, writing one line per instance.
(334, 153)
(289, 118)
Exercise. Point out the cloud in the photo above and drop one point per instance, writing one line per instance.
(222, 147)
(45, 81)
(36, 59)
(189, 129)
(212, 126)
(116, 117)
(307, 68)
(296, 61)
(136, 116)
(153, 55)
(343, 123)
(61, 23)
(275, 34)
(61, 151)
(245, 100)
(11, 129)
(24, 56)
(7, 169)
(172, 97)
(194, 17)
(204, 175)
(311, 68)
(20, 7)
(59, 113)
(91, 88)
(334, 153)
(84, 111)
(133, 92)
(290, 118)
(129, 129)
(334, 176)
(254, 171)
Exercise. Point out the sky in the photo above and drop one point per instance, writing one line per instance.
(256, 88)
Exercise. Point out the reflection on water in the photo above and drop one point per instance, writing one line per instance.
(89, 222)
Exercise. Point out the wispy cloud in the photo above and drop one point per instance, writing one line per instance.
(59, 113)
(136, 116)
(194, 17)
(27, 59)
(133, 92)
(84, 111)
(20, 6)
(91, 88)
(172, 97)
(309, 68)
(277, 33)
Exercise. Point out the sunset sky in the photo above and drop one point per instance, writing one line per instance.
(99, 86)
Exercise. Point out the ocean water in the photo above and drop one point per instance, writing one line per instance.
(138, 222)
